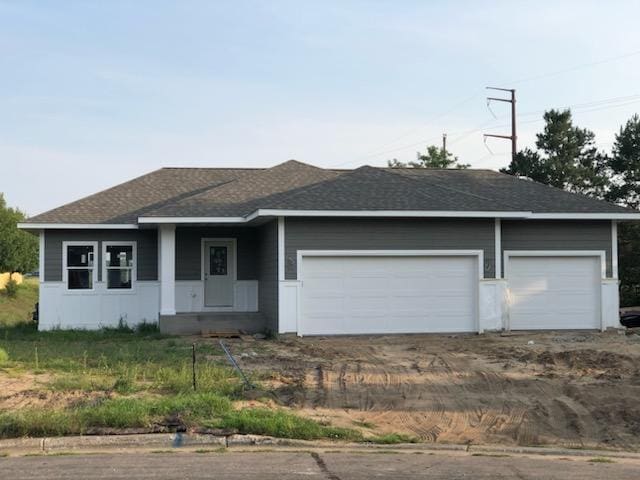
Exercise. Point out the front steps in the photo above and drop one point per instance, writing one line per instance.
(213, 323)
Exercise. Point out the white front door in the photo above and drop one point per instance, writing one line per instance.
(395, 294)
(554, 292)
(219, 273)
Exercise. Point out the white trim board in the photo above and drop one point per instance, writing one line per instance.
(614, 249)
(556, 253)
(525, 215)
(79, 226)
(497, 248)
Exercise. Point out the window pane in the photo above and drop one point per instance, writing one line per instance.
(80, 256)
(218, 260)
(119, 256)
(119, 278)
(80, 279)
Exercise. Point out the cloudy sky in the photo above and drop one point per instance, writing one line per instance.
(93, 93)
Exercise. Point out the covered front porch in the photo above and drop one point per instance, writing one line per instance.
(218, 279)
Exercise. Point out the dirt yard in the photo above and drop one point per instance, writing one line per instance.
(571, 389)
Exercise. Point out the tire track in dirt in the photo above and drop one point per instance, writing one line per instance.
(479, 389)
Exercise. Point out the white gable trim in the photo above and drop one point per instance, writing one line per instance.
(78, 226)
(335, 213)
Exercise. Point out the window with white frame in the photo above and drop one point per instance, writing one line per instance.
(119, 265)
(79, 265)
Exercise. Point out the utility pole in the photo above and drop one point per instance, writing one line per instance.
(444, 144)
(513, 137)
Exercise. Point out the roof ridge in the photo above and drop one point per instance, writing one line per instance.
(365, 168)
(214, 168)
(458, 191)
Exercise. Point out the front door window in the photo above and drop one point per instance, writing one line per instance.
(218, 260)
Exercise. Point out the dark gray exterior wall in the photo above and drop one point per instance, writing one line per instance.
(388, 234)
(268, 273)
(147, 250)
(558, 235)
(189, 250)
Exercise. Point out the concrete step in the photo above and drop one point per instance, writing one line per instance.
(208, 323)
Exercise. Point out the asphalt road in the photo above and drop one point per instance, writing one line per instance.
(325, 466)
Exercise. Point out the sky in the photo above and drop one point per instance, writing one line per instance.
(94, 93)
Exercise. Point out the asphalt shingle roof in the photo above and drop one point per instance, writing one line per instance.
(228, 192)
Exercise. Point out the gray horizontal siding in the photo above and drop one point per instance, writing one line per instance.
(558, 235)
(147, 250)
(388, 234)
(189, 251)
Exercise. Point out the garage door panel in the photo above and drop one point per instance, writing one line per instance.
(554, 292)
(388, 294)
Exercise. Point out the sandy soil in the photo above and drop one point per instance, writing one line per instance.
(570, 389)
(28, 390)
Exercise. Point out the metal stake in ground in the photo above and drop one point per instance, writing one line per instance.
(193, 364)
(235, 365)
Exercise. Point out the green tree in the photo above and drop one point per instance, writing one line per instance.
(565, 157)
(624, 166)
(434, 157)
(18, 249)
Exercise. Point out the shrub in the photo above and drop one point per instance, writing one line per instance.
(147, 328)
(11, 288)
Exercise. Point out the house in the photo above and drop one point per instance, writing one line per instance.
(313, 251)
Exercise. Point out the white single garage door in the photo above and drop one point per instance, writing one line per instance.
(554, 292)
(388, 294)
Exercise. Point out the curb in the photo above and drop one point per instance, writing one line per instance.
(187, 441)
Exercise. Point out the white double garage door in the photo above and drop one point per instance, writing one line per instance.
(400, 292)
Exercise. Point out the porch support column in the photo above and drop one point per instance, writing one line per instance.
(167, 269)
(498, 248)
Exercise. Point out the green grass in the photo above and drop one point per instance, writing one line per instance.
(495, 455)
(363, 424)
(601, 460)
(392, 438)
(195, 409)
(279, 423)
(18, 310)
(138, 377)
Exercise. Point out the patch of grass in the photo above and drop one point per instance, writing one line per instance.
(85, 383)
(209, 377)
(206, 409)
(4, 357)
(496, 455)
(114, 413)
(392, 438)
(211, 450)
(283, 424)
(119, 360)
(362, 424)
(18, 310)
(601, 460)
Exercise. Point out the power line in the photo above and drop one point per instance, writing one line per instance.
(459, 136)
(468, 99)
(577, 67)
